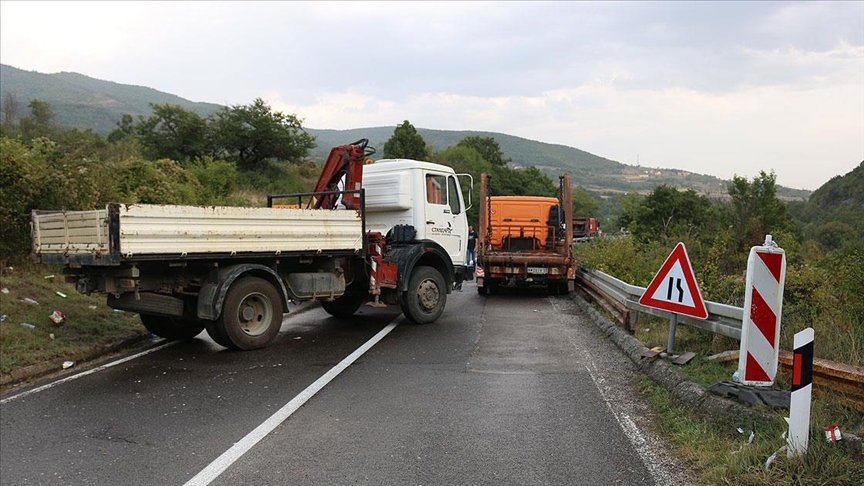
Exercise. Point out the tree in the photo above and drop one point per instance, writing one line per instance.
(43, 115)
(756, 211)
(668, 212)
(10, 110)
(522, 182)
(172, 133)
(40, 123)
(487, 147)
(125, 128)
(834, 234)
(584, 205)
(466, 160)
(405, 143)
(252, 135)
(629, 209)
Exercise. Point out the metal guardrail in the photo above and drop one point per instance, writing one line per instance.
(622, 301)
(722, 319)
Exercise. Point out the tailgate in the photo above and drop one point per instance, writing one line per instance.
(59, 234)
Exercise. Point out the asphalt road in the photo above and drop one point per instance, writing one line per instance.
(505, 389)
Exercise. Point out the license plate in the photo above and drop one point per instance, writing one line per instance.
(538, 270)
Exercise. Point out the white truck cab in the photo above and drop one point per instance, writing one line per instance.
(424, 195)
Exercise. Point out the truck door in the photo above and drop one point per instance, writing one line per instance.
(445, 215)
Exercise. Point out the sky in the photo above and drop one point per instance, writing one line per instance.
(726, 89)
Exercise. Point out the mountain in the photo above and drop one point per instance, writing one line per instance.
(592, 172)
(83, 102)
(837, 207)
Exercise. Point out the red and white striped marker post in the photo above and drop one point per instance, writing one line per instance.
(802, 389)
(763, 306)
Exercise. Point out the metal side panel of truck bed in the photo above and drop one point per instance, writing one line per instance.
(128, 231)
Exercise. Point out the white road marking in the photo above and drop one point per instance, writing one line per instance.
(223, 462)
(85, 373)
(630, 429)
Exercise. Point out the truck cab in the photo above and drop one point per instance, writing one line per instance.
(423, 195)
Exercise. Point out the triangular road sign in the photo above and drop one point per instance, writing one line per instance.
(674, 288)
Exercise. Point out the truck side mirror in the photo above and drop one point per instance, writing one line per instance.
(468, 198)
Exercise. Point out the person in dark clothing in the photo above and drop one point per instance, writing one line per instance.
(471, 257)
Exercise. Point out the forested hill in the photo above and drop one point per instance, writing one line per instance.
(835, 211)
(83, 102)
(592, 172)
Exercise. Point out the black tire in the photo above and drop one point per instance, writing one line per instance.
(481, 290)
(344, 306)
(216, 335)
(491, 288)
(562, 288)
(251, 315)
(172, 328)
(426, 296)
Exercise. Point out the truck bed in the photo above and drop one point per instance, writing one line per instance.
(126, 232)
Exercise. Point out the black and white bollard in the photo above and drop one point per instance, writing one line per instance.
(802, 387)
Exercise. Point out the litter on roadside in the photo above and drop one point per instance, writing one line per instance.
(57, 317)
(28, 325)
(731, 355)
(684, 358)
(773, 457)
(68, 364)
(651, 354)
(4, 290)
(749, 440)
(49, 277)
(3, 318)
(61, 294)
(30, 301)
(832, 433)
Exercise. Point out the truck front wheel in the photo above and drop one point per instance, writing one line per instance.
(346, 305)
(424, 300)
(251, 316)
(172, 328)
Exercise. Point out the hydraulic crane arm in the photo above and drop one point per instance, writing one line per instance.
(343, 165)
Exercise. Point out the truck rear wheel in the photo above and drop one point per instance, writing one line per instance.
(172, 328)
(344, 306)
(251, 316)
(426, 296)
(216, 335)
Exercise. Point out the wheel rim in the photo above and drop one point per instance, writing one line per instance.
(254, 314)
(428, 295)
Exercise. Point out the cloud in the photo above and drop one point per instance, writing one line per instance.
(712, 87)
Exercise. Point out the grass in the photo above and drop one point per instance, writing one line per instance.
(89, 321)
(720, 454)
(717, 451)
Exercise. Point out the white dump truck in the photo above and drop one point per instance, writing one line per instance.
(389, 232)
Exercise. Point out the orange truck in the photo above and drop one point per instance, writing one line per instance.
(524, 241)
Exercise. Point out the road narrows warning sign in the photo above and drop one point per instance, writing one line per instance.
(674, 288)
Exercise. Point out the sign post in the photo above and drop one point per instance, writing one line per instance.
(674, 290)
